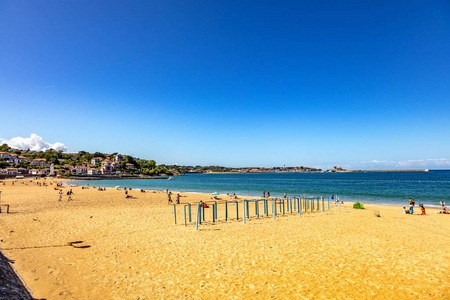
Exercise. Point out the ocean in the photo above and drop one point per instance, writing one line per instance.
(394, 188)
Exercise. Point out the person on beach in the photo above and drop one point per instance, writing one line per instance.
(411, 209)
(404, 211)
(268, 194)
(423, 210)
(285, 195)
(178, 198)
(264, 194)
(60, 195)
(169, 198)
(70, 193)
(442, 204)
(413, 202)
(126, 193)
(167, 190)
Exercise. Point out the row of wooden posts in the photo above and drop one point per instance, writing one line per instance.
(279, 206)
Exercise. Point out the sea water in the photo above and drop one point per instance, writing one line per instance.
(393, 188)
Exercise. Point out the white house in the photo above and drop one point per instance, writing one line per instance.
(41, 162)
(81, 170)
(92, 171)
(106, 167)
(96, 160)
(4, 155)
(118, 157)
(13, 159)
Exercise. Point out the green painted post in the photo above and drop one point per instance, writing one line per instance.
(175, 213)
(190, 219)
(198, 216)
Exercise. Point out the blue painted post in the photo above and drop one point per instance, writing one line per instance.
(299, 207)
(190, 219)
(185, 216)
(328, 203)
(283, 206)
(257, 208)
(226, 210)
(295, 204)
(198, 216)
(213, 212)
(237, 211)
(321, 200)
(203, 212)
(215, 207)
(247, 210)
(201, 209)
(290, 200)
(243, 209)
(274, 207)
(175, 213)
(312, 204)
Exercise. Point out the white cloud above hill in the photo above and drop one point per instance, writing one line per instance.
(34, 143)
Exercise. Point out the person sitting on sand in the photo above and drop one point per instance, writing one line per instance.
(411, 209)
(404, 211)
(444, 210)
(423, 210)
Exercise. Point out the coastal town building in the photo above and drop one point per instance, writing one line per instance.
(129, 166)
(106, 167)
(96, 160)
(4, 155)
(92, 171)
(81, 170)
(40, 162)
(118, 157)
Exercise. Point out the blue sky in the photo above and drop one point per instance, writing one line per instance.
(233, 83)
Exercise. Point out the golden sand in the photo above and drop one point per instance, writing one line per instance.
(137, 252)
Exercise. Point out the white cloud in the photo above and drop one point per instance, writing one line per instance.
(430, 163)
(34, 143)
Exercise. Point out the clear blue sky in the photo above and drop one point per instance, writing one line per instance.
(233, 83)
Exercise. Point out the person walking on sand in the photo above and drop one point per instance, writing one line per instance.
(60, 195)
(178, 198)
(70, 193)
(442, 204)
(169, 198)
(268, 194)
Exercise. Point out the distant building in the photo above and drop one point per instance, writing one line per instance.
(92, 171)
(106, 167)
(81, 170)
(96, 160)
(41, 162)
(118, 157)
(4, 155)
(129, 166)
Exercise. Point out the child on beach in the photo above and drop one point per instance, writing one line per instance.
(70, 195)
(404, 211)
(60, 195)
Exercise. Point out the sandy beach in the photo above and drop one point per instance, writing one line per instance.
(104, 246)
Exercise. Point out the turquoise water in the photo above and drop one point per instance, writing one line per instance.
(379, 188)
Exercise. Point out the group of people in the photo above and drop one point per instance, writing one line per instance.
(69, 193)
(412, 203)
(264, 194)
(169, 197)
(444, 208)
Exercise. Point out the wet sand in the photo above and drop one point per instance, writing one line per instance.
(131, 249)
